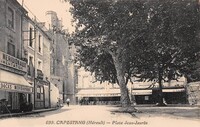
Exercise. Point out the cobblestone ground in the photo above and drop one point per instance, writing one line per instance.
(105, 116)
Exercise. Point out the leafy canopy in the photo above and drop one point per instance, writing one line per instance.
(146, 36)
(172, 43)
(108, 29)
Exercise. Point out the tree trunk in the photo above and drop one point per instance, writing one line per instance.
(160, 101)
(125, 100)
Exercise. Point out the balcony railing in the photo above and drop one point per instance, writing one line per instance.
(40, 74)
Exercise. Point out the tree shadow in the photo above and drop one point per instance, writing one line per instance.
(172, 112)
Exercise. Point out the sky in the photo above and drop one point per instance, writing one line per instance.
(40, 7)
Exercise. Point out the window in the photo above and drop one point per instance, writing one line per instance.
(39, 45)
(10, 18)
(40, 92)
(31, 37)
(11, 46)
(30, 66)
(39, 64)
(54, 67)
(30, 60)
(9, 102)
(146, 98)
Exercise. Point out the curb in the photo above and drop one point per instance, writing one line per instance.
(26, 113)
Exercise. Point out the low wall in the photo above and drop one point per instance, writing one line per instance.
(193, 92)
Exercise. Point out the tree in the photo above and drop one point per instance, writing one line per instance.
(154, 40)
(107, 35)
(172, 43)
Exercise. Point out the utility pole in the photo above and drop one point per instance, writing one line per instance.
(35, 61)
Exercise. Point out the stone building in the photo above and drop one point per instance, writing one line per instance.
(94, 92)
(90, 91)
(15, 90)
(62, 67)
(37, 52)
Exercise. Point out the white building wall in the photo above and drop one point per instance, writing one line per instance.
(46, 58)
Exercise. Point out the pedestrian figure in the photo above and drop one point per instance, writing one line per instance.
(68, 101)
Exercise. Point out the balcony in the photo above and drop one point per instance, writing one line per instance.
(40, 74)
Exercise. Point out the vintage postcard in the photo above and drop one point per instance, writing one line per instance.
(106, 63)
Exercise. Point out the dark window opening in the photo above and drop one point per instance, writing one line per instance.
(10, 18)
(30, 38)
(39, 48)
(11, 47)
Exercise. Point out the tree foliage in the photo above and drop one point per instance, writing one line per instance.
(155, 40)
(108, 27)
(172, 41)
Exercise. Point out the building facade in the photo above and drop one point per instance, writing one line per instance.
(62, 67)
(148, 92)
(92, 92)
(15, 90)
(37, 52)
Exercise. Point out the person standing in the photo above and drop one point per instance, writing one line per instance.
(68, 101)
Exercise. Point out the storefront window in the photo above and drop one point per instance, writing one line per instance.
(146, 98)
(38, 95)
(40, 92)
(9, 104)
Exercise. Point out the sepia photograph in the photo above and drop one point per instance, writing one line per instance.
(99, 63)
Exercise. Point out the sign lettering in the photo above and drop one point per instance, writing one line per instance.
(13, 87)
(12, 62)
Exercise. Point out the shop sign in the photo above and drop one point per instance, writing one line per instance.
(12, 62)
(13, 87)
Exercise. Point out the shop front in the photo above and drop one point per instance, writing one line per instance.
(42, 94)
(98, 96)
(142, 96)
(15, 93)
(172, 95)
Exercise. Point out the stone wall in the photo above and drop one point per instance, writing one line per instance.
(193, 92)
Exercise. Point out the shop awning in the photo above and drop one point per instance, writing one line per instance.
(98, 93)
(141, 92)
(174, 90)
(14, 83)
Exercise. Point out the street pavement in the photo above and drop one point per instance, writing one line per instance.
(107, 116)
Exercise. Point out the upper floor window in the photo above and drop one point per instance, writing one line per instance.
(39, 64)
(53, 66)
(10, 18)
(31, 37)
(30, 65)
(10, 46)
(39, 44)
(30, 60)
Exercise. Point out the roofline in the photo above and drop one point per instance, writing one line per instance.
(36, 24)
(17, 4)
